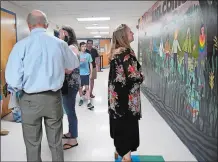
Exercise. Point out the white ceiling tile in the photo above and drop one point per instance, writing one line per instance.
(65, 12)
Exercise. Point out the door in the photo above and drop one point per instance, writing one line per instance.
(104, 49)
(8, 40)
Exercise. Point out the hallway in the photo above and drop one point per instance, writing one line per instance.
(95, 144)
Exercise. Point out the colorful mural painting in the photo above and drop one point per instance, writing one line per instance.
(178, 44)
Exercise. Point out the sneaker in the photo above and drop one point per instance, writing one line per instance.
(90, 106)
(80, 102)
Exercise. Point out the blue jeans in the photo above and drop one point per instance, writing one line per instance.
(69, 101)
(17, 115)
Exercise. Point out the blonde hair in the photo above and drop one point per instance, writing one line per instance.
(119, 39)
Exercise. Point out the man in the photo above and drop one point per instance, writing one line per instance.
(94, 53)
(36, 67)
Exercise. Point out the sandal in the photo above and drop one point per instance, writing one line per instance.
(65, 137)
(71, 146)
(4, 132)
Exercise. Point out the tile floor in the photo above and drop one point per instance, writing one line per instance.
(95, 144)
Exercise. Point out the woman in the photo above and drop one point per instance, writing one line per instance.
(70, 89)
(124, 102)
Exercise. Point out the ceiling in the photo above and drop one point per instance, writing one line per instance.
(65, 13)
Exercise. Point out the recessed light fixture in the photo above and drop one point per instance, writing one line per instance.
(97, 27)
(99, 32)
(97, 36)
(94, 19)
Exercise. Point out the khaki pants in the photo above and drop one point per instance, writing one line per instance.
(34, 108)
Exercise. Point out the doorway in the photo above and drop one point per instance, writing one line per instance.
(8, 40)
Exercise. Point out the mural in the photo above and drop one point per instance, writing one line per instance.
(178, 44)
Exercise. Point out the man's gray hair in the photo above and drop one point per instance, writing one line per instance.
(36, 19)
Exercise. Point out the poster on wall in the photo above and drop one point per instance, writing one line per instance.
(178, 46)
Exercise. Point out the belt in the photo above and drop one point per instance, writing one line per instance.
(58, 91)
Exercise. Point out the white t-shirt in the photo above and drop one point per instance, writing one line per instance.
(175, 46)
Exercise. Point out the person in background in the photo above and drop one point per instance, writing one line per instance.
(85, 74)
(3, 132)
(94, 53)
(124, 101)
(14, 106)
(73, 84)
(37, 66)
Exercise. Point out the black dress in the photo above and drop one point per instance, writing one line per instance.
(124, 100)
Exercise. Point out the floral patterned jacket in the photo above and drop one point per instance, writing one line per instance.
(73, 79)
(125, 78)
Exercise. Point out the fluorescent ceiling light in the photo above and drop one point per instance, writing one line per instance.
(97, 27)
(94, 19)
(99, 32)
(97, 36)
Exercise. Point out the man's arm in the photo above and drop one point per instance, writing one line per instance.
(70, 59)
(15, 69)
(97, 54)
(90, 65)
(91, 69)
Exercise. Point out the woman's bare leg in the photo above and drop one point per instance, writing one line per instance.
(80, 91)
(127, 157)
(87, 93)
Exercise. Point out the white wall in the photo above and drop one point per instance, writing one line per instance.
(21, 14)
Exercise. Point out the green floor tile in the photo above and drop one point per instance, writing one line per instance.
(148, 158)
(144, 158)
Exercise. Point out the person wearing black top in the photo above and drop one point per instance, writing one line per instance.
(94, 53)
(124, 103)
